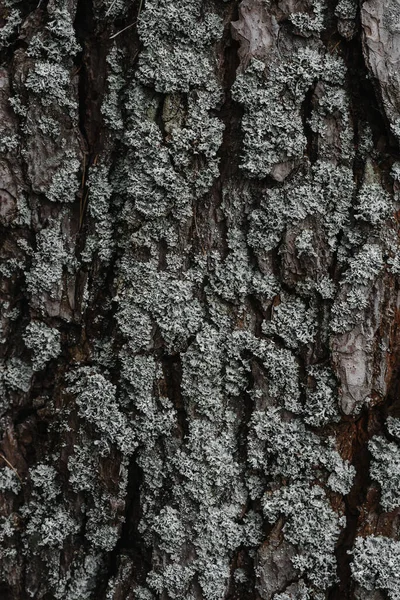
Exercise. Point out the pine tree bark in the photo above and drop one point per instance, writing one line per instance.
(200, 299)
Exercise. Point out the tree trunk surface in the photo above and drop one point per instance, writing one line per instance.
(200, 341)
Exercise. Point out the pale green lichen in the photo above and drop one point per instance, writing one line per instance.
(101, 534)
(315, 539)
(103, 503)
(333, 106)
(284, 449)
(346, 9)
(185, 327)
(114, 8)
(44, 341)
(111, 106)
(320, 406)
(299, 591)
(376, 564)
(100, 242)
(12, 22)
(207, 462)
(57, 39)
(195, 143)
(175, 40)
(281, 371)
(49, 82)
(49, 126)
(325, 193)
(272, 124)
(307, 24)
(82, 580)
(9, 481)
(82, 466)
(9, 143)
(169, 299)
(304, 243)
(374, 204)
(363, 270)
(385, 469)
(234, 276)
(50, 260)
(97, 403)
(293, 322)
(393, 426)
(149, 178)
(65, 184)
(18, 375)
(161, 179)
(48, 521)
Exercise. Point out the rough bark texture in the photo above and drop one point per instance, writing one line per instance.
(200, 352)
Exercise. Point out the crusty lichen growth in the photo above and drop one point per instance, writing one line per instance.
(176, 55)
(274, 135)
(314, 539)
(51, 261)
(99, 242)
(385, 469)
(97, 404)
(43, 341)
(198, 320)
(45, 527)
(376, 564)
(9, 481)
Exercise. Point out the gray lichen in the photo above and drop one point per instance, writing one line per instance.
(376, 564)
(385, 469)
(199, 321)
(46, 526)
(274, 140)
(9, 480)
(44, 341)
(315, 540)
(97, 403)
(50, 259)
(100, 242)
(175, 56)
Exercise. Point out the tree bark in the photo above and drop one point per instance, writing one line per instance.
(200, 299)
